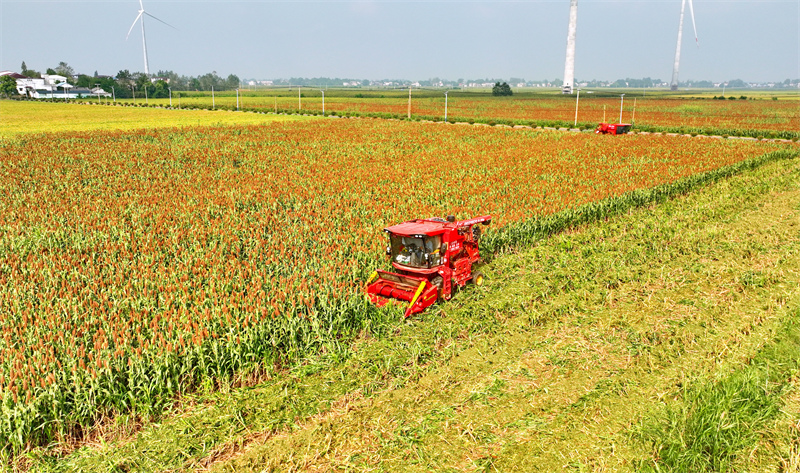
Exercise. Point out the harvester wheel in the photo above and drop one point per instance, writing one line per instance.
(477, 279)
(439, 283)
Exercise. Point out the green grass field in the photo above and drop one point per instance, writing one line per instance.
(664, 339)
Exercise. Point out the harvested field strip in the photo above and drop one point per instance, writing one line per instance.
(716, 420)
(554, 365)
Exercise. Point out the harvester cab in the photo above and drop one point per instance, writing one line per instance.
(430, 257)
(613, 128)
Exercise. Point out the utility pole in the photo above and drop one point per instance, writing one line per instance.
(445, 105)
(409, 101)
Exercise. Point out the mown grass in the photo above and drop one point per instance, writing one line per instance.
(555, 365)
(717, 420)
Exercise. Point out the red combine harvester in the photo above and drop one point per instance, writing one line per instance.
(430, 256)
(613, 128)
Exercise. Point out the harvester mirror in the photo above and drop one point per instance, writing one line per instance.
(388, 250)
(451, 218)
(443, 248)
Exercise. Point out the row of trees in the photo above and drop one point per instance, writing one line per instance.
(63, 69)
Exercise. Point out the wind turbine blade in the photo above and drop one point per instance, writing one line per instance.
(162, 21)
(132, 25)
(694, 25)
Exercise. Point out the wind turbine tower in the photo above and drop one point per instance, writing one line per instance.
(140, 17)
(674, 84)
(569, 68)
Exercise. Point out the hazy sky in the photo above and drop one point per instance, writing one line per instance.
(755, 40)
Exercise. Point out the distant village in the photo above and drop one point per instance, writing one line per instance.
(52, 86)
(522, 83)
(63, 83)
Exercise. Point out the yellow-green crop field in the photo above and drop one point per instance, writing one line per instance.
(29, 118)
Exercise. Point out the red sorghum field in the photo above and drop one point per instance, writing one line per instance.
(734, 116)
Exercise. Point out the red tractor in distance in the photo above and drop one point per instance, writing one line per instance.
(430, 257)
(613, 128)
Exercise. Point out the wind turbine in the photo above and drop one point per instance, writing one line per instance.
(140, 17)
(569, 66)
(676, 66)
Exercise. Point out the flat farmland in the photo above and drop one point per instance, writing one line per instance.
(139, 265)
(758, 113)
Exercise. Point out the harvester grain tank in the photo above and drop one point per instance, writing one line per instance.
(430, 257)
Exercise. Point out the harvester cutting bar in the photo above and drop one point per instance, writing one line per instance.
(418, 291)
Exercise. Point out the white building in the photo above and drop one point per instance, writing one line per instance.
(52, 86)
(44, 88)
